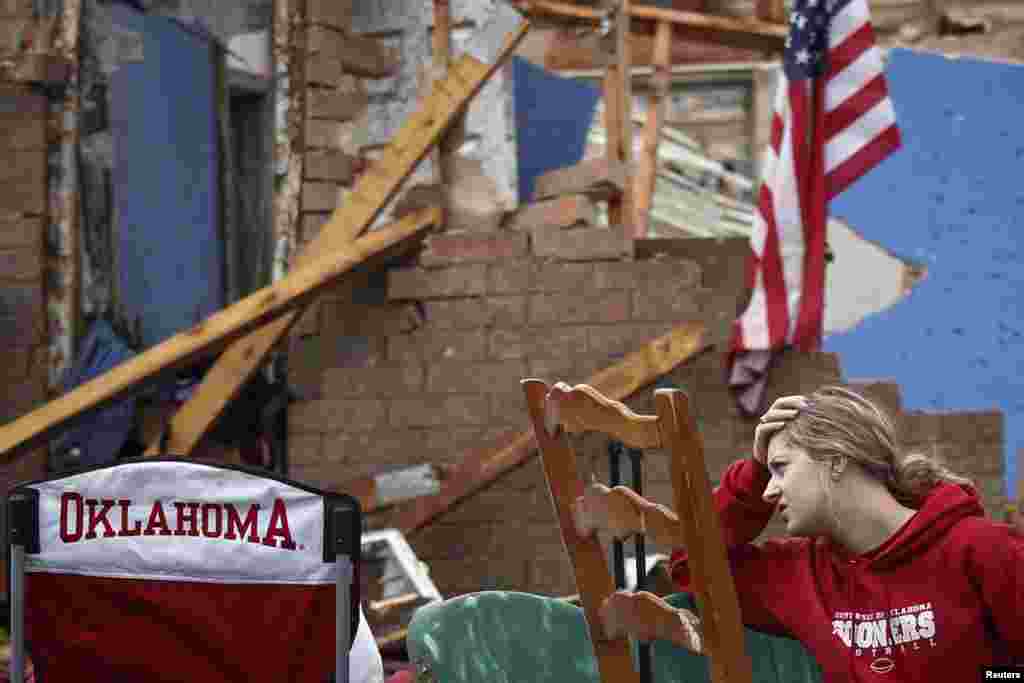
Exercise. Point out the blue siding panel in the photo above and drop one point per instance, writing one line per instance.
(163, 121)
(952, 200)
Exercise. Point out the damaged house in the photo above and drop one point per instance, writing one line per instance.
(166, 159)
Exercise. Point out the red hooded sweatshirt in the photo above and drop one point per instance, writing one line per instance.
(940, 599)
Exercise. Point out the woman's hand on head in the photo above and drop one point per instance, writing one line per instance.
(778, 416)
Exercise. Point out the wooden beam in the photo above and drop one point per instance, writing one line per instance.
(624, 64)
(390, 638)
(576, 53)
(647, 173)
(618, 119)
(746, 33)
(380, 608)
(590, 569)
(442, 48)
(618, 381)
(561, 9)
(442, 33)
(218, 330)
(488, 49)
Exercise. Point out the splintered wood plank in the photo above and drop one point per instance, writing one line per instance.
(702, 537)
(478, 469)
(211, 335)
(488, 49)
(593, 580)
(648, 172)
(750, 34)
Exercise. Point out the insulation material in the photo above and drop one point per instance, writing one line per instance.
(405, 484)
(288, 116)
(849, 295)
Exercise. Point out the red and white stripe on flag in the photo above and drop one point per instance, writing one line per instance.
(833, 122)
(173, 571)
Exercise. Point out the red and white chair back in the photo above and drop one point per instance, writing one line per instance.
(171, 570)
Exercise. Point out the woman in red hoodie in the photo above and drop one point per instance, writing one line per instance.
(892, 572)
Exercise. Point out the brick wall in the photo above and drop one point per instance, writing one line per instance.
(422, 365)
(421, 362)
(23, 326)
(335, 102)
(969, 443)
(22, 224)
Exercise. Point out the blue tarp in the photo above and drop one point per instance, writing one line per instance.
(951, 200)
(553, 115)
(101, 435)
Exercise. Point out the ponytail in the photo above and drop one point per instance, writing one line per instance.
(915, 474)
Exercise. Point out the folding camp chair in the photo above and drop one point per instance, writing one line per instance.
(561, 408)
(166, 570)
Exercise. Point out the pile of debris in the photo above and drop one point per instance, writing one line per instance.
(693, 193)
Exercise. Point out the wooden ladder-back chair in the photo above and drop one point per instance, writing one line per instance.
(562, 409)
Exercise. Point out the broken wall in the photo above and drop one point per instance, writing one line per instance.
(481, 176)
(423, 365)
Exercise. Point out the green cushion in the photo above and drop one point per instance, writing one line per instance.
(775, 659)
(501, 636)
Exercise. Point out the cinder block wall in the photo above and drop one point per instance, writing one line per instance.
(423, 365)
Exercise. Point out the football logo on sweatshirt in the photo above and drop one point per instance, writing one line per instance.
(877, 633)
(84, 519)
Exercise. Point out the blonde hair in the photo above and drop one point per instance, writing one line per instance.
(838, 422)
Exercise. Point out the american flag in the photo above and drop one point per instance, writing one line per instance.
(833, 122)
